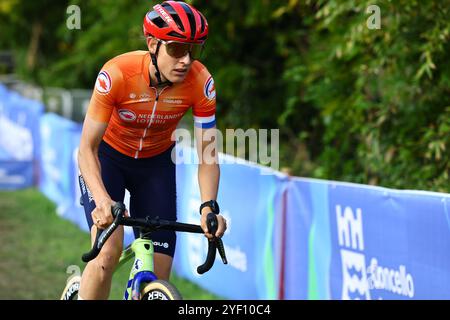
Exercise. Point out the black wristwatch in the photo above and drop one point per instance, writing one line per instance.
(212, 204)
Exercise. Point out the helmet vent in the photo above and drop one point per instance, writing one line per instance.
(173, 15)
(159, 22)
(191, 19)
(177, 20)
(202, 25)
(175, 34)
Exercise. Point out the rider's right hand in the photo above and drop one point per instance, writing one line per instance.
(101, 215)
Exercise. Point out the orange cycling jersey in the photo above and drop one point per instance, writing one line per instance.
(141, 121)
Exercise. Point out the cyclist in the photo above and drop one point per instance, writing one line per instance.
(139, 98)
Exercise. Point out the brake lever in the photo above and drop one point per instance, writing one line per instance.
(221, 249)
(102, 235)
(213, 225)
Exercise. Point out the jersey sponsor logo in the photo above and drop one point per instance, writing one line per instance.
(127, 115)
(173, 101)
(103, 83)
(143, 97)
(210, 89)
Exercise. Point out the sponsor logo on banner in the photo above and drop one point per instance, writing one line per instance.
(395, 281)
(16, 139)
(103, 83)
(12, 179)
(127, 115)
(210, 89)
(360, 281)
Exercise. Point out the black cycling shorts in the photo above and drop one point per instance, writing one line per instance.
(152, 186)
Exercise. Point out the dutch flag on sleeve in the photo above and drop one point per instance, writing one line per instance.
(205, 120)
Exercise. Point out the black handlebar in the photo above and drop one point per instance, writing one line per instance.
(216, 243)
(118, 211)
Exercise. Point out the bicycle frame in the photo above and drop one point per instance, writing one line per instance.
(142, 269)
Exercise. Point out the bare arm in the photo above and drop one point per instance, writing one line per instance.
(208, 169)
(89, 165)
(208, 174)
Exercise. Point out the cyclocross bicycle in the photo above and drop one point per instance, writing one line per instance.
(143, 283)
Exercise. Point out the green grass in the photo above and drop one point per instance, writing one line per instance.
(38, 246)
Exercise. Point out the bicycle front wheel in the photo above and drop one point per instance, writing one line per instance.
(70, 292)
(160, 290)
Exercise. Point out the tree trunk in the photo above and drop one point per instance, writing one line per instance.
(36, 33)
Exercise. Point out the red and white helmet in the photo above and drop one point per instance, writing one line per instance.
(176, 21)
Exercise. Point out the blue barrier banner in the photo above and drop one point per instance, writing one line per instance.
(249, 198)
(367, 242)
(299, 219)
(19, 140)
(60, 139)
(15, 174)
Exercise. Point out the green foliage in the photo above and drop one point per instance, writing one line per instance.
(352, 103)
(382, 94)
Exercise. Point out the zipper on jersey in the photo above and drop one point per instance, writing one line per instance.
(150, 122)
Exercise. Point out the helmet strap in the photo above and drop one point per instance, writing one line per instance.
(155, 63)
